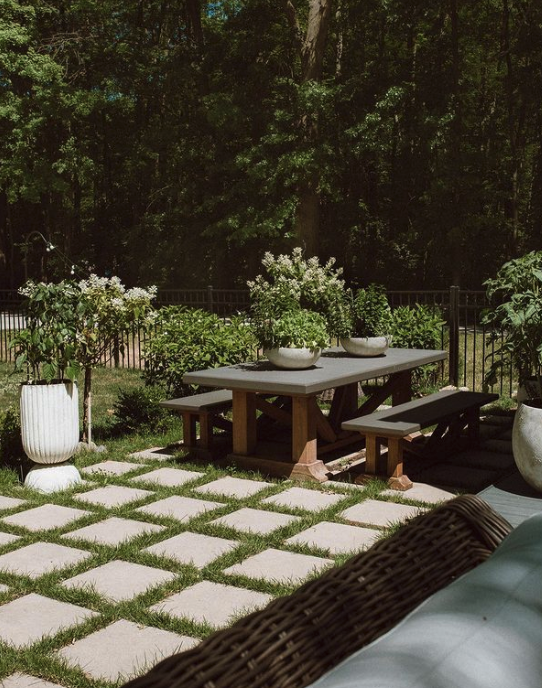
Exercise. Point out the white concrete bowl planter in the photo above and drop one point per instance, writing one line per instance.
(291, 358)
(365, 346)
(527, 442)
(50, 433)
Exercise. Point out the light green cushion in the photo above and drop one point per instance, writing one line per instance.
(482, 631)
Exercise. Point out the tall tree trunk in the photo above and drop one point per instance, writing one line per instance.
(455, 229)
(516, 118)
(312, 48)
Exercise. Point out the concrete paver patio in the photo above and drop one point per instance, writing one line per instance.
(299, 530)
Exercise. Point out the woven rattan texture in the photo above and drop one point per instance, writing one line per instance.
(299, 637)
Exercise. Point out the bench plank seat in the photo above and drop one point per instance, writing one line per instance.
(450, 410)
(203, 409)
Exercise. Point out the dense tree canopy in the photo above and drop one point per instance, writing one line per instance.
(173, 142)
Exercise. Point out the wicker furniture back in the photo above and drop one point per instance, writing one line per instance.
(299, 637)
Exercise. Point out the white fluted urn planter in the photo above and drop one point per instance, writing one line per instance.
(50, 434)
(527, 442)
(365, 346)
(292, 358)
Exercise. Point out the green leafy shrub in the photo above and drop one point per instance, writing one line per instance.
(137, 410)
(11, 448)
(516, 319)
(418, 327)
(188, 339)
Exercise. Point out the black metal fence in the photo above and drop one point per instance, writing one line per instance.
(463, 335)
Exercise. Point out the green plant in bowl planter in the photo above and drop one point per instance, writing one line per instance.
(367, 321)
(294, 339)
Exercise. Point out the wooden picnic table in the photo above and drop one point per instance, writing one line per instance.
(290, 397)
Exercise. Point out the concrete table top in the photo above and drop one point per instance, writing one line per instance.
(334, 368)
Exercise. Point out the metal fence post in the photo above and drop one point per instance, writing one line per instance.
(453, 322)
(210, 304)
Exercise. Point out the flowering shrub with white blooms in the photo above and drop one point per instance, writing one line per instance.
(294, 283)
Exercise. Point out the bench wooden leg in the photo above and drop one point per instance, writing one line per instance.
(189, 429)
(372, 454)
(397, 480)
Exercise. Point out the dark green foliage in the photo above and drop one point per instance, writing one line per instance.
(137, 410)
(171, 146)
(419, 327)
(188, 339)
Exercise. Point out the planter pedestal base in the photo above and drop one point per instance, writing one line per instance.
(52, 477)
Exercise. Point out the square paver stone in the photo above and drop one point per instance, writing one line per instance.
(180, 508)
(111, 496)
(119, 580)
(112, 531)
(111, 468)
(19, 680)
(40, 558)
(377, 513)
(337, 538)
(255, 520)
(33, 617)
(8, 538)
(302, 498)
(10, 502)
(278, 566)
(212, 603)
(154, 453)
(237, 488)
(192, 548)
(45, 517)
(422, 492)
(167, 477)
(123, 650)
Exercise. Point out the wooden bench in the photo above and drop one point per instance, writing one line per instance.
(452, 411)
(204, 410)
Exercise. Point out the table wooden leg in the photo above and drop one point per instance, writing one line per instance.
(344, 405)
(244, 422)
(402, 387)
(304, 439)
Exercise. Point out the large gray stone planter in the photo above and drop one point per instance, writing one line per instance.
(365, 346)
(291, 358)
(527, 442)
(50, 433)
